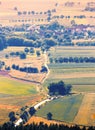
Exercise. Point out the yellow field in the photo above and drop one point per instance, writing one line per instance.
(13, 87)
(86, 113)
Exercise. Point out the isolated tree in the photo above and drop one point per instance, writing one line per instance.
(26, 50)
(32, 50)
(49, 116)
(6, 56)
(38, 53)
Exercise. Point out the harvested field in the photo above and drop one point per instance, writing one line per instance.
(45, 121)
(30, 61)
(4, 115)
(86, 113)
(21, 100)
(14, 103)
(74, 75)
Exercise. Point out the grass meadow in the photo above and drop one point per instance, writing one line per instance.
(63, 109)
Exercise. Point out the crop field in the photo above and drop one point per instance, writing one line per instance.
(80, 75)
(72, 51)
(63, 109)
(15, 92)
(86, 113)
(12, 87)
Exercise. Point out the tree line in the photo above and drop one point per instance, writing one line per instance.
(25, 69)
(29, 69)
(42, 126)
(85, 43)
(73, 60)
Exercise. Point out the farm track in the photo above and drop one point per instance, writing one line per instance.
(45, 64)
(85, 115)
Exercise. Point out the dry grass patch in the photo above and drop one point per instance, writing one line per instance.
(86, 113)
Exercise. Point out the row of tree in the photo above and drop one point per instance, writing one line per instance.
(25, 69)
(35, 13)
(85, 43)
(21, 55)
(73, 60)
(42, 126)
(29, 69)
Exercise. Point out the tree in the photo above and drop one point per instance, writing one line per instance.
(6, 56)
(49, 116)
(44, 69)
(38, 53)
(1, 64)
(3, 43)
(26, 50)
(32, 111)
(12, 116)
(22, 56)
(32, 50)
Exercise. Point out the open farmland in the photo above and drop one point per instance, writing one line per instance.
(15, 94)
(30, 61)
(64, 109)
(77, 74)
(15, 89)
(12, 87)
(72, 51)
(9, 103)
(87, 110)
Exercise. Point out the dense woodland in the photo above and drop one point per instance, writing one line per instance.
(42, 126)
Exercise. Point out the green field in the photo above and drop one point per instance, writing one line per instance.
(85, 72)
(15, 87)
(63, 109)
(81, 84)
